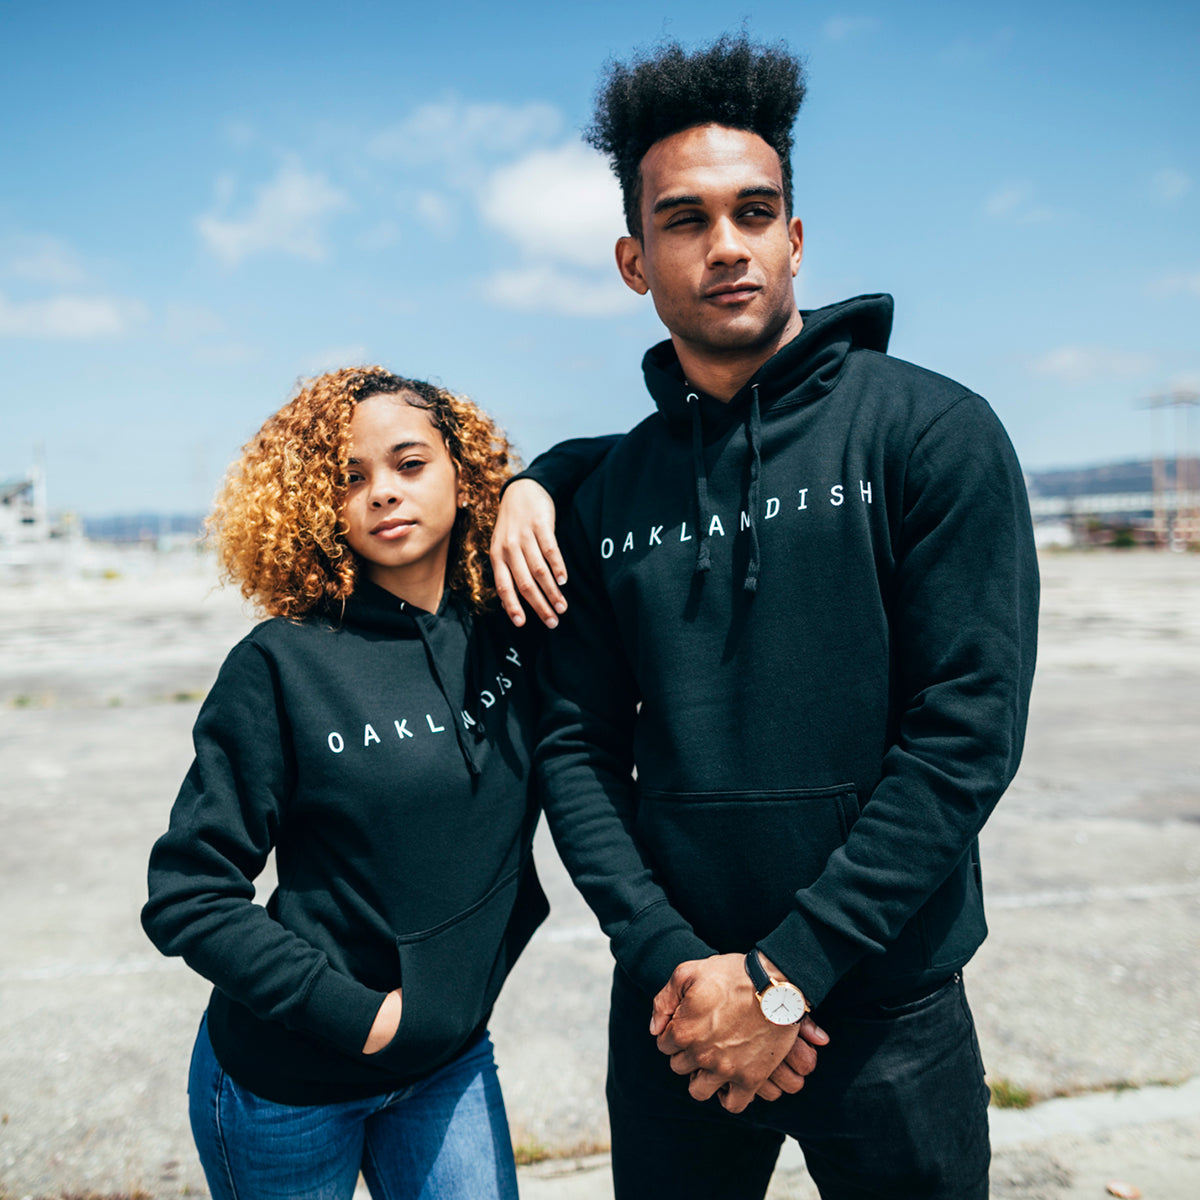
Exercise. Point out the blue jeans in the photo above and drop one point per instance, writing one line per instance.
(897, 1107)
(442, 1138)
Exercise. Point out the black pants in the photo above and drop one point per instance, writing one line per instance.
(895, 1110)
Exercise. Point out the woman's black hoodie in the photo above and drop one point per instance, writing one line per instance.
(808, 617)
(383, 752)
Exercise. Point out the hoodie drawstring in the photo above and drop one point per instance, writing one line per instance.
(463, 744)
(703, 549)
(754, 437)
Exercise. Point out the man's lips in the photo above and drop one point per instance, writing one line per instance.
(731, 293)
(392, 528)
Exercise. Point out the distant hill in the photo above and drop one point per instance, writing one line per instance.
(1107, 479)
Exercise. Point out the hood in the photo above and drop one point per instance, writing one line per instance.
(798, 373)
(803, 370)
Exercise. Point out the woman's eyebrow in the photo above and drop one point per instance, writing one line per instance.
(398, 448)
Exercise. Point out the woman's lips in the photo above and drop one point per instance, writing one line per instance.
(391, 531)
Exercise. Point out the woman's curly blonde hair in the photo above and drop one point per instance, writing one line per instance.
(277, 520)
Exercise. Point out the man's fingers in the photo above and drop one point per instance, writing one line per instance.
(703, 1085)
(506, 592)
(542, 575)
(786, 1079)
(665, 1003)
(553, 557)
(668, 1045)
(768, 1091)
(812, 1033)
(516, 565)
(735, 1097)
(801, 1058)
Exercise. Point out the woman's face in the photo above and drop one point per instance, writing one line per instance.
(401, 499)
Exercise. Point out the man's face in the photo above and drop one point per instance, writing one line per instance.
(718, 252)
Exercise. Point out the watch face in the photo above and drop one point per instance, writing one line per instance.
(782, 1004)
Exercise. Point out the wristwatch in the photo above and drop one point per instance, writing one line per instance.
(781, 1003)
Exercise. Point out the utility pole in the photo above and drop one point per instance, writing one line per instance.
(1177, 510)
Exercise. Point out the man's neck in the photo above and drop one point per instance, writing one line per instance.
(723, 375)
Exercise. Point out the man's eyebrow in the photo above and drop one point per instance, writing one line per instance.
(675, 202)
(766, 190)
(762, 189)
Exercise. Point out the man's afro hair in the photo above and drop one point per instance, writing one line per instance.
(733, 82)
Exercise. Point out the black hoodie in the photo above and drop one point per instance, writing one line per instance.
(384, 753)
(808, 619)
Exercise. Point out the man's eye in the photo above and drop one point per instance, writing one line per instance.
(684, 218)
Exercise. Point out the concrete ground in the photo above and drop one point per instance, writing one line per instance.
(1087, 987)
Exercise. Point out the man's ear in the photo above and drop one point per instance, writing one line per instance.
(629, 263)
(796, 237)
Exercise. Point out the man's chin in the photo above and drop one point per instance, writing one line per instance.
(738, 337)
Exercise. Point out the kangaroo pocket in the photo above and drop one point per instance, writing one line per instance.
(450, 976)
(732, 861)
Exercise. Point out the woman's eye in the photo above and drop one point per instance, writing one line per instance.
(410, 464)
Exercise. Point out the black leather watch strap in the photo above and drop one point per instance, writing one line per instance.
(757, 972)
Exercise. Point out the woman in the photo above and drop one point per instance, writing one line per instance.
(375, 734)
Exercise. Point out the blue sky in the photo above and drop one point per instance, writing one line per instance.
(201, 204)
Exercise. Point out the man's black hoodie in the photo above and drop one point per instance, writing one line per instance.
(807, 617)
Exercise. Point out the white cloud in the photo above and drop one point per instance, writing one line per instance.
(1016, 202)
(548, 288)
(838, 29)
(287, 216)
(68, 318)
(454, 131)
(45, 260)
(1081, 364)
(1185, 283)
(559, 205)
(1170, 185)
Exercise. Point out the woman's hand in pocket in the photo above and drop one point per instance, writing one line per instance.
(387, 1021)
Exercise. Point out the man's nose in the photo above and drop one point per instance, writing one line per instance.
(726, 244)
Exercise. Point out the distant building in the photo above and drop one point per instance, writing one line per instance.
(29, 539)
(23, 516)
(1118, 504)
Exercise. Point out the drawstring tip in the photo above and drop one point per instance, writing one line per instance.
(751, 584)
(704, 559)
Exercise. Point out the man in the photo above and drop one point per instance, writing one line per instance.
(790, 687)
